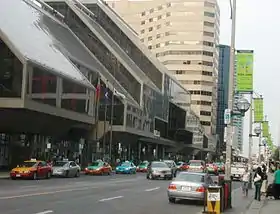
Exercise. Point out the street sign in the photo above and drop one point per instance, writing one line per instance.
(227, 116)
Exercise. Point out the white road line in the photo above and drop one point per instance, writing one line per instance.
(109, 199)
(153, 189)
(45, 212)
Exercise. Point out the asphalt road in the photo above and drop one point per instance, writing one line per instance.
(116, 194)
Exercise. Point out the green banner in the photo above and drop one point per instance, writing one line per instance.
(244, 70)
(265, 129)
(258, 110)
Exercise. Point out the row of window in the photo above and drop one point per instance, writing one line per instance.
(201, 102)
(209, 14)
(188, 62)
(153, 9)
(158, 45)
(156, 18)
(205, 113)
(181, 72)
(166, 53)
(150, 29)
(198, 92)
(197, 82)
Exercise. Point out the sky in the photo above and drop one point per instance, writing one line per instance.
(257, 29)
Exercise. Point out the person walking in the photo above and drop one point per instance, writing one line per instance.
(258, 183)
(264, 180)
(276, 184)
(245, 182)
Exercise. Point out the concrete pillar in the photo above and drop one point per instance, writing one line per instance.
(163, 152)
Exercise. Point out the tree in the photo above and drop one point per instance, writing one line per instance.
(276, 154)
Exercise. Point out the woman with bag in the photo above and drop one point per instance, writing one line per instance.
(258, 183)
(245, 182)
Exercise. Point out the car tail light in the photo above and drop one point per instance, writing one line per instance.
(86, 169)
(172, 186)
(200, 189)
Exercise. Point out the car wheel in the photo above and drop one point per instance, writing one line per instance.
(35, 177)
(172, 200)
(77, 174)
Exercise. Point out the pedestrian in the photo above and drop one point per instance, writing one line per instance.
(276, 185)
(264, 180)
(245, 182)
(258, 183)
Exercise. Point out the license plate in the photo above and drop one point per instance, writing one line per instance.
(162, 176)
(17, 175)
(186, 188)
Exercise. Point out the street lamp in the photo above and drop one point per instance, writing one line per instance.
(243, 105)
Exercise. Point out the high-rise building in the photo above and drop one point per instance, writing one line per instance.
(223, 80)
(184, 35)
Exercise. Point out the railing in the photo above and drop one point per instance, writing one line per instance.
(46, 8)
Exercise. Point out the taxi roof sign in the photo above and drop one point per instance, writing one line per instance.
(33, 159)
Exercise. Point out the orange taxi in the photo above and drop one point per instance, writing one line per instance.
(98, 168)
(32, 169)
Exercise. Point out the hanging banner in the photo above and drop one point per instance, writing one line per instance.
(258, 110)
(244, 70)
(265, 129)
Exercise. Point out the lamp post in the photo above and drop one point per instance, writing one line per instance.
(258, 131)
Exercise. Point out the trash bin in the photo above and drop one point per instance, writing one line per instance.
(213, 198)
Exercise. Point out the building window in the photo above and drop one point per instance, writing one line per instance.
(206, 33)
(205, 113)
(150, 29)
(207, 53)
(167, 33)
(205, 123)
(168, 14)
(142, 31)
(210, 44)
(180, 72)
(160, 7)
(167, 23)
(150, 47)
(157, 45)
(209, 4)
(209, 14)
(150, 38)
(206, 73)
(209, 24)
(168, 4)
(142, 40)
(158, 36)
(159, 17)
(151, 20)
(143, 13)
(142, 22)
(152, 10)
(158, 26)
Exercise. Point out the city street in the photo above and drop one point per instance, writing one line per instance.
(118, 194)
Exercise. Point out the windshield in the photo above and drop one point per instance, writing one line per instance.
(196, 178)
(96, 164)
(195, 164)
(126, 164)
(143, 164)
(60, 163)
(27, 164)
(218, 164)
(159, 165)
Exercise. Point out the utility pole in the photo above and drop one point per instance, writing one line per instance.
(231, 92)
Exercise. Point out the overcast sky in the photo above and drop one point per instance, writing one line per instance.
(257, 29)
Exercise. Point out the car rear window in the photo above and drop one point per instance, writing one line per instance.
(159, 165)
(190, 177)
(195, 163)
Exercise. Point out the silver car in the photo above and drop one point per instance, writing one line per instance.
(66, 169)
(159, 169)
(189, 185)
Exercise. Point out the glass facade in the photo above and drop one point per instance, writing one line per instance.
(223, 78)
(127, 44)
(10, 73)
(117, 70)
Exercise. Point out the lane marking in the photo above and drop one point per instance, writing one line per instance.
(45, 212)
(152, 189)
(109, 199)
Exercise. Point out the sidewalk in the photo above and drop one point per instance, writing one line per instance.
(4, 175)
(270, 206)
(258, 207)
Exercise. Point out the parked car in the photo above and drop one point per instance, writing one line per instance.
(126, 167)
(142, 167)
(66, 169)
(98, 168)
(172, 166)
(159, 169)
(189, 185)
(211, 168)
(32, 169)
(220, 166)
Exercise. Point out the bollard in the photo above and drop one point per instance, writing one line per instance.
(213, 199)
